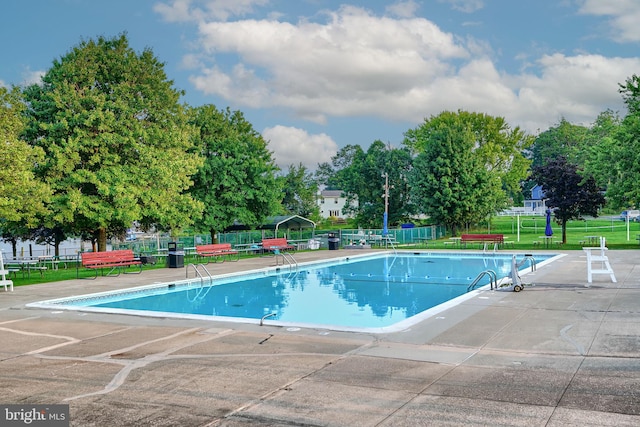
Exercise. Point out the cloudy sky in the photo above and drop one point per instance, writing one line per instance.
(315, 75)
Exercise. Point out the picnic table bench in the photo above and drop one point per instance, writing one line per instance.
(116, 261)
(217, 251)
(484, 239)
(277, 244)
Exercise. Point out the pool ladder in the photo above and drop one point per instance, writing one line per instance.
(202, 291)
(286, 257)
(493, 278)
(199, 270)
(531, 259)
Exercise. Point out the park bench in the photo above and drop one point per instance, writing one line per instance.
(217, 251)
(115, 261)
(484, 239)
(277, 244)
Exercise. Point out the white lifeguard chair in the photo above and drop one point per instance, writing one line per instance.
(3, 276)
(598, 254)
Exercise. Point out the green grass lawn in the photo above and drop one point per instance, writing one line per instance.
(533, 228)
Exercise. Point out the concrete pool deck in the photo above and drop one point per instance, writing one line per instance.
(560, 353)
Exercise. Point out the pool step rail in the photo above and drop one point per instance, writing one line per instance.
(201, 271)
(531, 259)
(202, 291)
(286, 257)
(493, 279)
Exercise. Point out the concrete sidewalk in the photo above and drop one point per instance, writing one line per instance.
(560, 353)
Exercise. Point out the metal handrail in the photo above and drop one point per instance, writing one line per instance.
(531, 259)
(201, 293)
(286, 256)
(493, 278)
(198, 273)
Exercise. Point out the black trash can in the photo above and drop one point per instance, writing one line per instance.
(333, 241)
(175, 256)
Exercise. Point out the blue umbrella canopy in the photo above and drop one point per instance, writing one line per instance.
(548, 231)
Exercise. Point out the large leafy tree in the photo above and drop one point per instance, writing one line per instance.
(497, 146)
(468, 166)
(237, 181)
(115, 138)
(623, 159)
(299, 191)
(567, 192)
(448, 182)
(603, 151)
(565, 139)
(22, 196)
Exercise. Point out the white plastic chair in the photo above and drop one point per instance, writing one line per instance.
(3, 276)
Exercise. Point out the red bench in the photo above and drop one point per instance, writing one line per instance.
(217, 250)
(278, 244)
(114, 260)
(485, 239)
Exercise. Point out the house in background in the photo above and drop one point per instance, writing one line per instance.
(537, 203)
(331, 203)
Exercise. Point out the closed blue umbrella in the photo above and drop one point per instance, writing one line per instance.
(548, 231)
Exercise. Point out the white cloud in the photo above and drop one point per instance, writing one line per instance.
(200, 10)
(467, 6)
(625, 15)
(403, 9)
(32, 77)
(349, 66)
(356, 64)
(292, 146)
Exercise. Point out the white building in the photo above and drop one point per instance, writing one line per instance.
(331, 203)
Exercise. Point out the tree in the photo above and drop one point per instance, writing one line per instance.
(569, 194)
(22, 195)
(622, 161)
(334, 175)
(565, 139)
(115, 139)
(300, 191)
(448, 182)
(623, 190)
(468, 166)
(237, 181)
(630, 91)
(500, 148)
(603, 151)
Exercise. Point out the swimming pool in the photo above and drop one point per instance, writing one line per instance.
(374, 293)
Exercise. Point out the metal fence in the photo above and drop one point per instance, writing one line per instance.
(403, 236)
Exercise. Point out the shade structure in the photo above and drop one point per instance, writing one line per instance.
(289, 222)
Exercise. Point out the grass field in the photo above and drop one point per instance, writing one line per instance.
(532, 228)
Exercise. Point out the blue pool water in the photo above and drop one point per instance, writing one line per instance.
(378, 292)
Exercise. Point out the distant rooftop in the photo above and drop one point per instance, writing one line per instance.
(331, 193)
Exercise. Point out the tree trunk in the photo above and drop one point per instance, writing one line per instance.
(564, 232)
(214, 236)
(102, 239)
